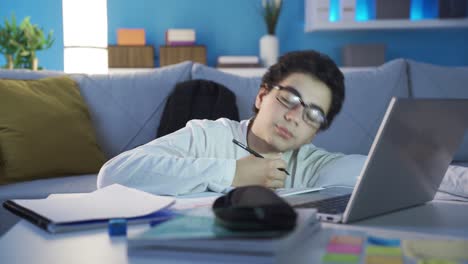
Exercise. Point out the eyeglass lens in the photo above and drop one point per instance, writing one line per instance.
(311, 115)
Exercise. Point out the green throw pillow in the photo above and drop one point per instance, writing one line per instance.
(45, 131)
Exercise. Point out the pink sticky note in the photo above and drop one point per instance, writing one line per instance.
(343, 248)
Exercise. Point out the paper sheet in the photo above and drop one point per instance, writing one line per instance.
(191, 203)
(114, 201)
(283, 192)
(436, 249)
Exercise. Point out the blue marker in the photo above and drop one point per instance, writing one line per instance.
(117, 227)
(383, 241)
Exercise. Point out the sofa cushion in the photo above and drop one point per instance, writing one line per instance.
(47, 131)
(367, 96)
(245, 88)
(431, 81)
(126, 107)
(19, 74)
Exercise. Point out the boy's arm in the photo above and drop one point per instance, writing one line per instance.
(325, 169)
(171, 165)
(344, 170)
(455, 181)
(318, 167)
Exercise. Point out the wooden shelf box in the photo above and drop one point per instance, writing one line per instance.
(131, 56)
(174, 54)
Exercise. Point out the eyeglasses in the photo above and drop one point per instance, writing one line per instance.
(312, 114)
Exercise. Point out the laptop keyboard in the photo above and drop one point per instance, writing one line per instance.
(333, 205)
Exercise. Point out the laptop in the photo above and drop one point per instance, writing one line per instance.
(412, 150)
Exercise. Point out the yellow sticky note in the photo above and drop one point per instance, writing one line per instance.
(436, 261)
(456, 250)
(376, 259)
(385, 251)
(343, 258)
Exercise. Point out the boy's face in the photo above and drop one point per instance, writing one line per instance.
(284, 129)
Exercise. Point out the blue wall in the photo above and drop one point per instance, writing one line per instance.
(234, 28)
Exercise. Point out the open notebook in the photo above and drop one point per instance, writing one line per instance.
(67, 212)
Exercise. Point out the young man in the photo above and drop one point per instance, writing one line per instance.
(299, 96)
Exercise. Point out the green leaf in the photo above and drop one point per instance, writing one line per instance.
(271, 10)
(22, 41)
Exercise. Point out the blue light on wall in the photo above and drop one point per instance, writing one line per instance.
(365, 10)
(362, 13)
(431, 9)
(334, 10)
(424, 9)
(416, 11)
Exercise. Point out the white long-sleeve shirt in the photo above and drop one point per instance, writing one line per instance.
(201, 157)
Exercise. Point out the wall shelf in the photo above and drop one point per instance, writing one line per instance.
(258, 72)
(389, 24)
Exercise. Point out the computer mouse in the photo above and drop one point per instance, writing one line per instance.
(254, 208)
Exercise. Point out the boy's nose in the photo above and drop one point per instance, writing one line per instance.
(294, 114)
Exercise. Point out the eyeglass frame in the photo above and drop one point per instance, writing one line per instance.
(304, 105)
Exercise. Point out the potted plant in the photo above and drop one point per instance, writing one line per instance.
(32, 39)
(269, 46)
(9, 33)
(20, 43)
(271, 12)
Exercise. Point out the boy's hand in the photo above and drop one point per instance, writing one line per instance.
(251, 170)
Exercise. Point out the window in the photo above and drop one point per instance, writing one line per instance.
(85, 36)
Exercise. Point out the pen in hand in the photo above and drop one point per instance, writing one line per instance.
(253, 152)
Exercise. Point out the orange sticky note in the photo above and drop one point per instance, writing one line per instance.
(347, 240)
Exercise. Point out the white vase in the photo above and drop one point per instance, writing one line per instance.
(269, 49)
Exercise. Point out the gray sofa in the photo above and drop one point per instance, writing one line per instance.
(126, 109)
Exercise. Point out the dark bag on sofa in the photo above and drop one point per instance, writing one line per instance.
(197, 99)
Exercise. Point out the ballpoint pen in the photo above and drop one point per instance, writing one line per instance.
(253, 152)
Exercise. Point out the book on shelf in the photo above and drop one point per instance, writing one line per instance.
(180, 37)
(131, 37)
(238, 62)
(197, 231)
(238, 59)
(348, 10)
(238, 65)
(78, 211)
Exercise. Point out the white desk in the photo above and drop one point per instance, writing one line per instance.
(25, 243)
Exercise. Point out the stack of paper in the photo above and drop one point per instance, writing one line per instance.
(437, 251)
(197, 232)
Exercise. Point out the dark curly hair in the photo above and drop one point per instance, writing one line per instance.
(311, 63)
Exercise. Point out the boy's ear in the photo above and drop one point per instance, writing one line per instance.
(261, 93)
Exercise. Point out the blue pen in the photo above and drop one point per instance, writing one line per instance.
(253, 152)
